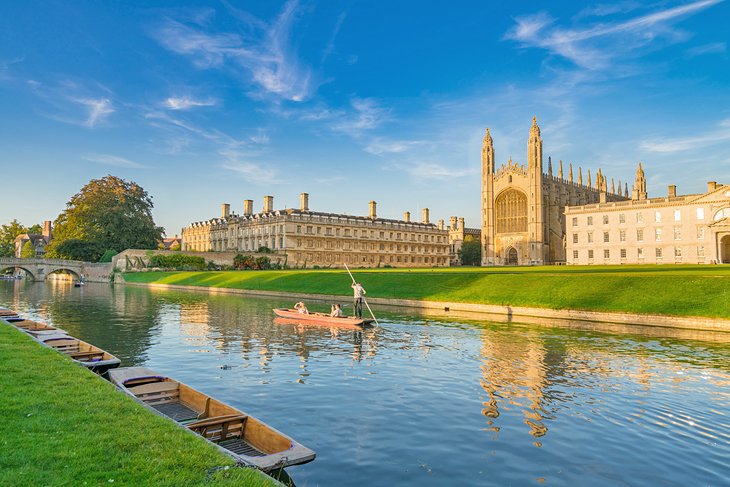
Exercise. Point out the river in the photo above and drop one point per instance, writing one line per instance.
(428, 401)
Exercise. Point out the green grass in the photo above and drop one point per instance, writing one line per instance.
(62, 425)
(682, 290)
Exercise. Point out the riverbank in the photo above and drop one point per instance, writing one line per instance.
(671, 290)
(63, 425)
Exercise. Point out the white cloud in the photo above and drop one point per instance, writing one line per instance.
(381, 146)
(253, 172)
(366, 115)
(264, 51)
(433, 170)
(678, 144)
(110, 160)
(712, 48)
(98, 109)
(186, 102)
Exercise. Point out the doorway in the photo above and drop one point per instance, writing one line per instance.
(512, 256)
(725, 249)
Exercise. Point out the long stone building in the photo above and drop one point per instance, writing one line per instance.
(689, 229)
(313, 238)
(523, 207)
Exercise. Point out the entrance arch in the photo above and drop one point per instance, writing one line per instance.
(512, 256)
(4, 268)
(725, 249)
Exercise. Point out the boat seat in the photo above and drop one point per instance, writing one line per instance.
(220, 428)
(157, 392)
(90, 354)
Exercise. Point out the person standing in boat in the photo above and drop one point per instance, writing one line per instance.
(359, 292)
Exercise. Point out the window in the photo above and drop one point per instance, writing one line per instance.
(511, 208)
(700, 251)
(623, 253)
(605, 219)
(309, 230)
(677, 215)
(622, 218)
(677, 233)
(622, 235)
(639, 234)
(575, 254)
(590, 220)
(700, 213)
(299, 229)
(575, 221)
(575, 238)
(606, 253)
(658, 253)
(658, 234)
(639, 217)
(700, 233)
(640, 253)
(319, 230)
(677, 252)
(605, 236)
(590, 253)
(657, 216)
(590, 237)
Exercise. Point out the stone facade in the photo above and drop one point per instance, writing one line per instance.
(523, 207)
(38, 241)
(313, 238)
(457, 233)
(690, 229)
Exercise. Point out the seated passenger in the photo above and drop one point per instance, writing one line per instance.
(302, 308)
(336, 311)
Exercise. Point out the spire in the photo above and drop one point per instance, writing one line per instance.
(613, 187)
(589, 178)
(599, 179)
(487, 153)
(550, 166)
(560, 169)
(619, 187)
(580, 176)
(570, 173)
(534, 148)
(639, 192)
(627, 190)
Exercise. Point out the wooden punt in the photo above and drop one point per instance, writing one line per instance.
(35, 328)
(245, 438)
(320, 318)
(91, 357)
(5, 312)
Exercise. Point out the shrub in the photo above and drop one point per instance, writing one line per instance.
(178, 262)
(107, 257)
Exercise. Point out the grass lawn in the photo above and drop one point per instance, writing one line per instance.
(685, 290)
(62, 425)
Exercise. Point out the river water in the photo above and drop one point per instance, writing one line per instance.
(428, 401)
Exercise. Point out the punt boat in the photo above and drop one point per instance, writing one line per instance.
(5, 312)
(241, 436)
(35, 328)
(320, 318)
(91, 357)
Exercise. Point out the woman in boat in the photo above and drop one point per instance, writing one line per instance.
(336, 311)
(301, 307)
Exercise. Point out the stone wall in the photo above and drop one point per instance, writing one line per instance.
(139, 259)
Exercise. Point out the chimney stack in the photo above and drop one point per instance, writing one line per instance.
(425, 215)
(711, 186)
(225, 210)
(441, 225)
(452, 223)
(304, 201)
(373, 214)
(247, 207)
(672, 191)
(47, 229)
(407, 216)
(268, 204)
(461, 223)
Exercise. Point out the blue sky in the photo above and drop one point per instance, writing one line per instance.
(209, 102)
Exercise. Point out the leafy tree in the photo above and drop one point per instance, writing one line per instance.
(471, 251)
(75, 249)
(110, 213)
(107, 257)
(175, 247)
(28, 251)
(7, 237)
(34, 229)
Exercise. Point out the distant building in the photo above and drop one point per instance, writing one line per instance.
(38, 241)
(313, 238)
(690, 229)
(523, 207)
(172, 243)
(457, 233)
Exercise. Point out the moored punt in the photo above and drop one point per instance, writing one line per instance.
(320, 318)
(35, 328)
(243, 437)
(5, 312)
(91, 357)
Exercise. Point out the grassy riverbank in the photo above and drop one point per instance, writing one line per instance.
(62, 425)
(681, 290)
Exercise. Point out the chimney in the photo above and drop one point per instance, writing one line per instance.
(406, 216)
(441, 225)
(304, 201)
(225, 210)
(711, 186)
(247, 207)
(373, 214)
(47, 229)
(268, 204)
(425, 215)
(452, 223)
(461, 223)
(672, 191)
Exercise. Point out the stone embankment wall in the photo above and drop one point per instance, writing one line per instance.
(139, 259)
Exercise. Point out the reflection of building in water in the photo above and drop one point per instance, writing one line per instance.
(195, 318)
(514, 373)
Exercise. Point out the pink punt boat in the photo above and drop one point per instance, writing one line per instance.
(320, 318)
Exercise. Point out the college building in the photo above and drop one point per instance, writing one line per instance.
(312, 238)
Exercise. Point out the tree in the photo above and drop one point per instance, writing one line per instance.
(470, 252)
(75, 249)
(175, 247)
(110, 213)
(28, 251)
(7, 237)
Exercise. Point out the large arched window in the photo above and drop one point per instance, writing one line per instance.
(724, 213)
(511, 212)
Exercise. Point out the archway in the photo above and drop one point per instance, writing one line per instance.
(3, 269)
(72, 275)
(512, 256)
(725, 249)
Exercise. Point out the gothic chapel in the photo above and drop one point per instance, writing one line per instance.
(523, 208)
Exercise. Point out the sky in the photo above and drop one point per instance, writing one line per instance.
(203, 103)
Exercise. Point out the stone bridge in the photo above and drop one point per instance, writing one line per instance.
(40, 269)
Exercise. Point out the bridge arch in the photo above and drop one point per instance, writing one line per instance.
(4, 267)
(73, 273)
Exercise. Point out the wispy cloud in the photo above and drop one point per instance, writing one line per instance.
(717, 135)
(109, 160)
(330, 47)
(712, 48)
(380, 146)
(594, 47)
(434, 170)
(186, 102)
(87, 103)
(264, 51)
(366, 115)
(253, 172)
(98, 109)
